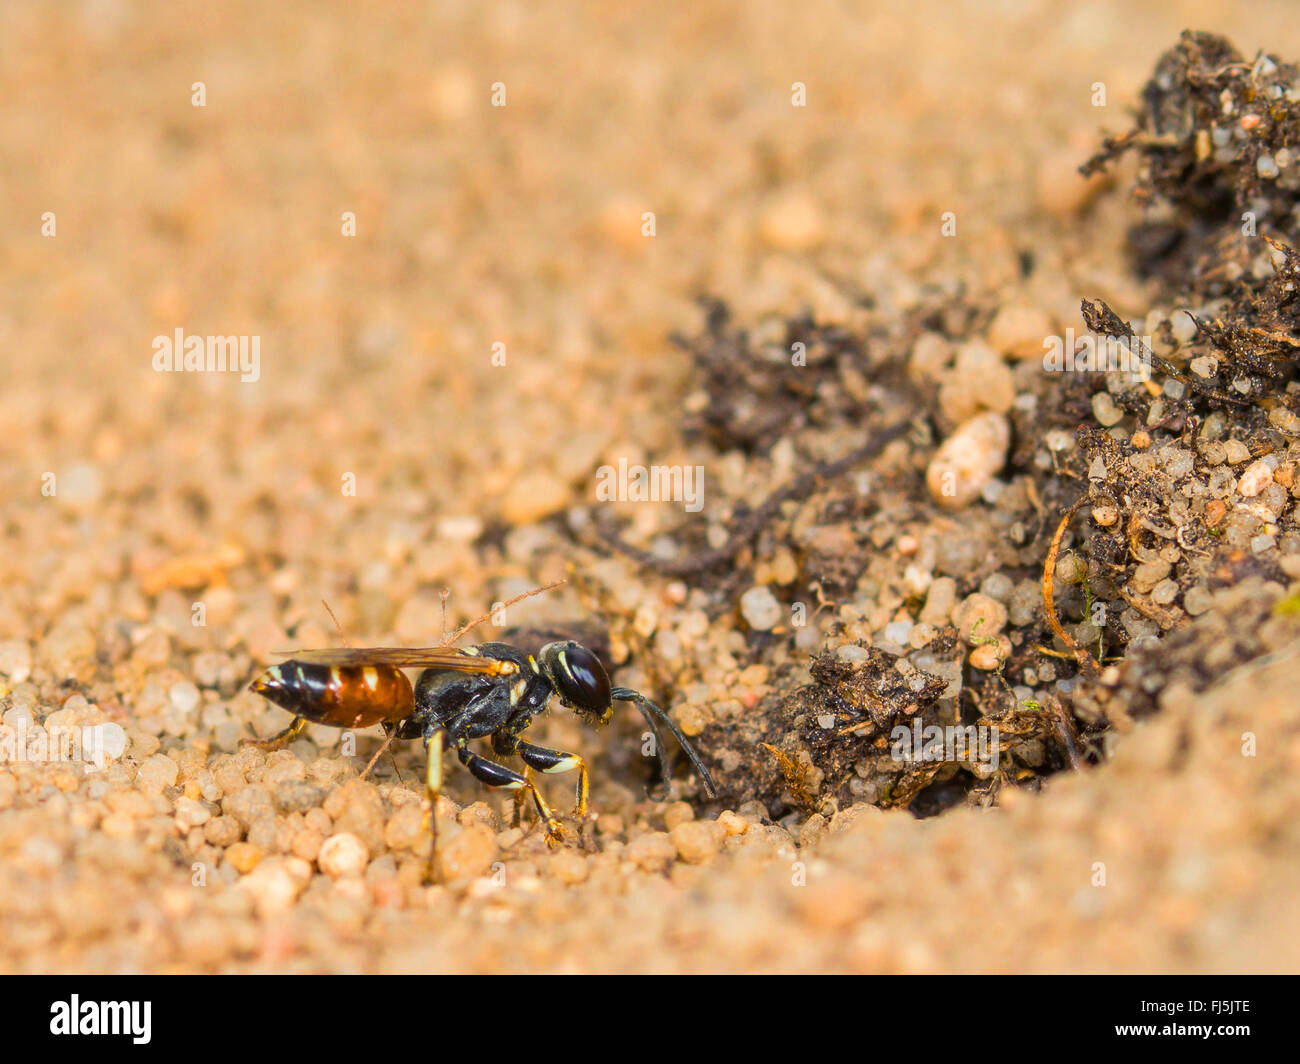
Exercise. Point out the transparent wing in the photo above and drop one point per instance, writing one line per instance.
(450, 658)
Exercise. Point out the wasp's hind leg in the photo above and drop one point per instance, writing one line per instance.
(495, 775)
(391, 731)
(279, 742)
(521, 799)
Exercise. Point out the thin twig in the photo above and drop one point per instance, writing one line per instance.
(1081, 655)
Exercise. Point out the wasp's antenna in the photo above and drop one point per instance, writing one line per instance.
(488, 616)
(444, 595)
(652, 712)
(338, 627)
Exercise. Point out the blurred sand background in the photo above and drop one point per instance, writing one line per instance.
(523, 225)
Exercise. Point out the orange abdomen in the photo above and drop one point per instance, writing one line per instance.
(344, 696)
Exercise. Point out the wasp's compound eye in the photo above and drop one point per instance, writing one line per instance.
(579, 677)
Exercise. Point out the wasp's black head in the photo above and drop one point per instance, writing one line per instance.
(579, 679)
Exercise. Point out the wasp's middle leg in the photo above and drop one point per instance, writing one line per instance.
(434, 743)
(495, 775)
(550, 762)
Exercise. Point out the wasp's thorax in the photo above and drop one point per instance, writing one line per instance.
(579, 679)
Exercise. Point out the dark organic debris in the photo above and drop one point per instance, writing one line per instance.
(1210, 129)
(1128, 505)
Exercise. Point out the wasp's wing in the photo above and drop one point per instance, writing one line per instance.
(450, 658)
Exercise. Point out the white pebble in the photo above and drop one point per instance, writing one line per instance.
(1058, 439)
(183, 695)
(190, 814)
(1182, 326)
(157, 773)
(343, 855)
(460, 528)
(1105, 410)
(898, 632)
(760, 608)
(1235, 452)
(917, 579)
(968, 460)
(1255, 479)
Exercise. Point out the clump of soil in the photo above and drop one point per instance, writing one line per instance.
(1165, 464)
(1200, 493)
(1254, 618)
(1218, 142)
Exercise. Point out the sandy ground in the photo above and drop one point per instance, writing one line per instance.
(132, 495)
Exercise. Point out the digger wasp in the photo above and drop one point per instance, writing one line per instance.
(492, 690)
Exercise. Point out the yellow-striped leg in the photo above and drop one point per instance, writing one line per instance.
(279, 742)
(554, 761)
(433, 745)
(521, 797)
(495, 775)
